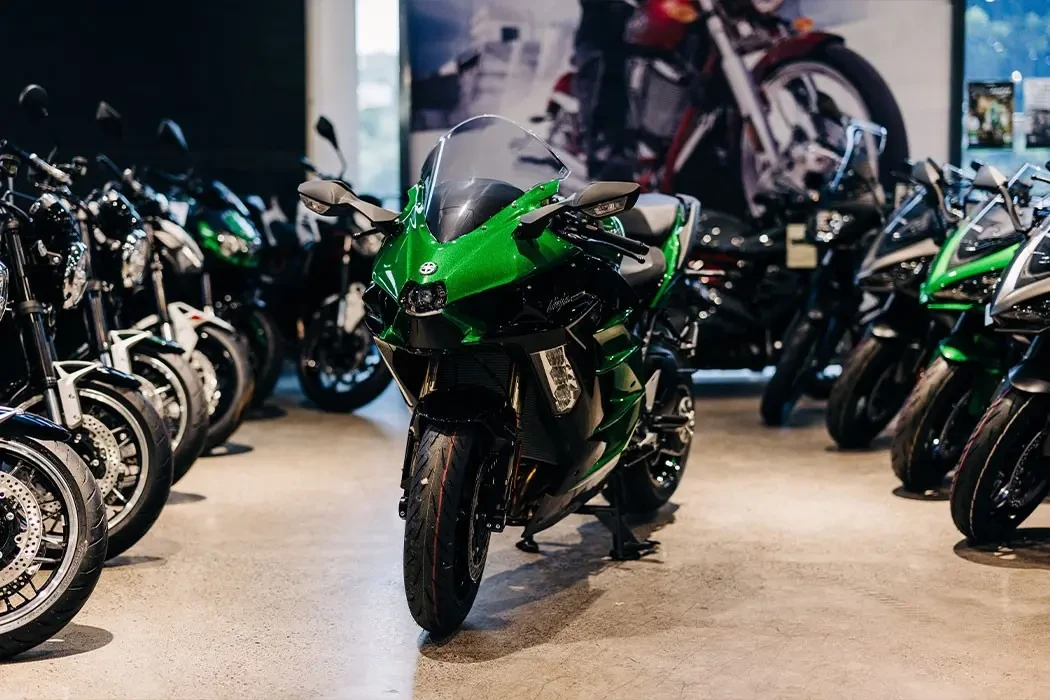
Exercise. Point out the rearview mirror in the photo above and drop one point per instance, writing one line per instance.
(926, 174)
(109, 119)
(171, 133)
(604, 199)
(326, 131)
(990, 179)
(335, 198)
(34, 102)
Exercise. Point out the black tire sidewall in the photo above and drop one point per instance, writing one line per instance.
(89, 553)
(269, 353)
(862, 370)
(787, 384)
(221, 427)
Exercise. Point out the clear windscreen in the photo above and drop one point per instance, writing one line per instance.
(912, 221)
(480, 167)
(992, 228)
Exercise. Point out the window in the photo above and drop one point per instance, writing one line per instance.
(379, 123)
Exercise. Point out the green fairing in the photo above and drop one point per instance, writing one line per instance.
(943, 276)
(970, 348)
(671, 250)
(233, 224)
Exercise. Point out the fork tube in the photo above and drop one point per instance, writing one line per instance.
(206, 297)
(96, 322)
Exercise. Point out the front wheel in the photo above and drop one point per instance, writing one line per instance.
(446, 535)
(793, 372)
(938, 416)
(223, 361)
(868, 393)
(52, 540)
(1004, 472)
(267, 353)
(339, 371)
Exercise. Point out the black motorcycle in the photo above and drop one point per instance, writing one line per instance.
(169, 302)
(851, 210)
(116, 431)
(315, 276)
(901, 335)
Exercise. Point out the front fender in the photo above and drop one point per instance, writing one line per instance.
(121, 343)
(1031, 375)
(792, 48)
(15, 422)
(964, 349)
(71, 373)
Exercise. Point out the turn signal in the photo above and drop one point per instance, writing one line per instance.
(680, 11)
(803, 24)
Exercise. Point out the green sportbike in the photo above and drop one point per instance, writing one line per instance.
(528, 332)
(956, 388)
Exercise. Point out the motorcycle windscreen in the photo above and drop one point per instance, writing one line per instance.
(1028, 276)
(912, 223)
(990, 231)
(478, 169)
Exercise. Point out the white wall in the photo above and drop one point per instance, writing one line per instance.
(331, 80)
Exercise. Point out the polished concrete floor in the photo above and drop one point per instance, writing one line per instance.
(787, 570)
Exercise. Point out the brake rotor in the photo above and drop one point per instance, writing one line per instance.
(21, 532)
(100, 451)
(206, 370)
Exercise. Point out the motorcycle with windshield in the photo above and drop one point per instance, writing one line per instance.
(1004, 472)
(314, 283)
(115, 430)
(900, 336)
(958, 385)
(849, 210)
(527, 333)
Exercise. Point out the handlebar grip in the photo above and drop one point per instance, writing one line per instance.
(52, 172)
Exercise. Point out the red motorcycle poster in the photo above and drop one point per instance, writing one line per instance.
(716, 98)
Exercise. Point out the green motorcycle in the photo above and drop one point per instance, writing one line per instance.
(528, 333)
(957, 386)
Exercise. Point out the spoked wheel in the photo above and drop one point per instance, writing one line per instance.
(340, 371)
(651, 480)
(52, 541)
(446, 533)
(222, 359)
(175, 390)
(936, 422)
(125, 444)
(1004, 473)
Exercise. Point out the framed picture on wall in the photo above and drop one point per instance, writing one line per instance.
(1037, 111)
(990, 117)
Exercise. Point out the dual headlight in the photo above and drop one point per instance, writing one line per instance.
(232, 245)
(134, 254)
(75, 278)
(423, 299)
(826, 226)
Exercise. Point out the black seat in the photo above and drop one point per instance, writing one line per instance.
(652, 219)
(644, 277)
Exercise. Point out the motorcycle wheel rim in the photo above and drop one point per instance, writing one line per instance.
(60, 531)
(775, 90)
(1025, 482)
(665, 471)
(340, 372)
(223, 364)
(172, 395)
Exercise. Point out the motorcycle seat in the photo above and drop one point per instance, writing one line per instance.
(645, 275)
(652, 218)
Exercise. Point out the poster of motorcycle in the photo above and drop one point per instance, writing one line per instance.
(725, 108)
(990, 117)
(1037, 111)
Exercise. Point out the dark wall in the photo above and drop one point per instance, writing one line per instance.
(232, 73)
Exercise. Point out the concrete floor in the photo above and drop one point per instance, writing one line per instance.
(787, 570)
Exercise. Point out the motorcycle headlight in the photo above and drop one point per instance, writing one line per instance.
(4, 280)
(75, 278)
(134, 255)
(423, 299)
(231, 245)
(975, 290)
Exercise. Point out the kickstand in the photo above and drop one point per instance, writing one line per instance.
(626, 547)
(527, 544)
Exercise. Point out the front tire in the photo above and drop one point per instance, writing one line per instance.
(446, 537)
(1004, 473)
(867, 395)
(934, 425)
(792, 372)
(63, 587)
(180, 402)
(267, 353)
(228, 354)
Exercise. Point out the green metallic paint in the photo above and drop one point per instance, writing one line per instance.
(671, 250)
(232, 224)
(970, 348)
(943, 276)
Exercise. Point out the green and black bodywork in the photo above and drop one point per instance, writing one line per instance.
(525, 331)
(971, 360)
(900, 335)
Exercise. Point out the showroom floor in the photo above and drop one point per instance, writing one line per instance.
(787, 570)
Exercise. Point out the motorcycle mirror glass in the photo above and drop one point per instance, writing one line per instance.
(326, 131)
(171, 133)
(604, 199)
(109, 120)
(335, 198)
(34, 102)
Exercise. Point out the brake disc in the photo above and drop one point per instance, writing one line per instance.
(206, 370)
(104, 453)
(22, 519)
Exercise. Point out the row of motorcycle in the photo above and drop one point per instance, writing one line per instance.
(137, 334)
(935, 314)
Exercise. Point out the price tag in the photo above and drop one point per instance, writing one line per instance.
(800, 254)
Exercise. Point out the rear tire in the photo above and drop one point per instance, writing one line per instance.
(444, 556)
(937, 408)
(868, 371)
(89, 552)
(1005, 450)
